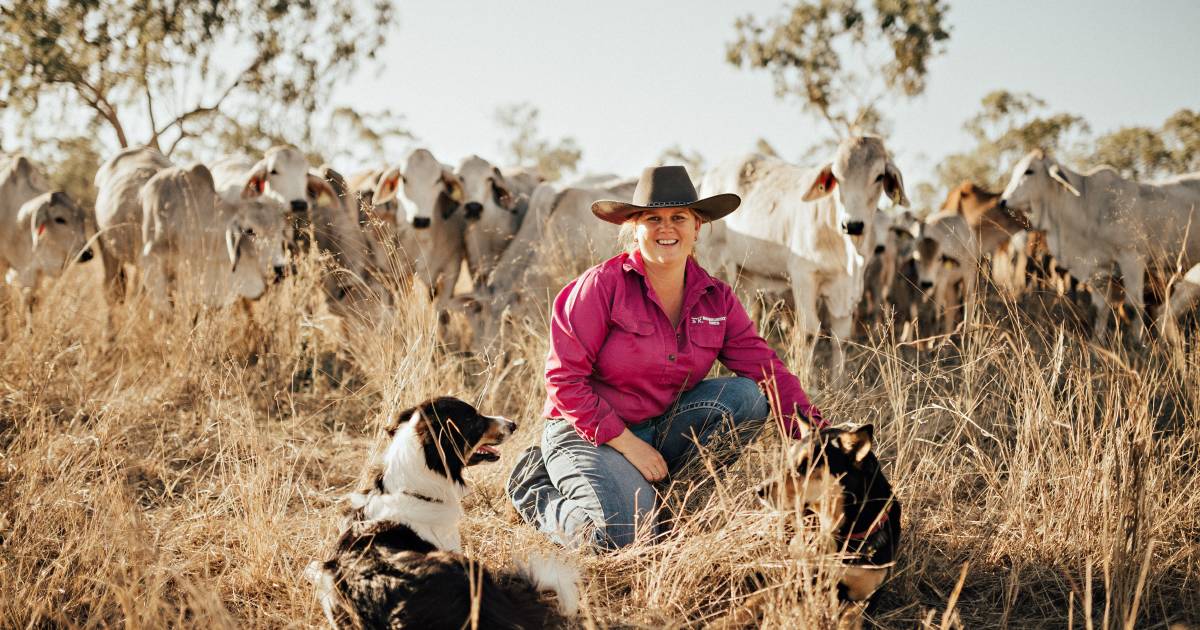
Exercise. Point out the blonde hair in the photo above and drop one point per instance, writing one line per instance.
(627, 237)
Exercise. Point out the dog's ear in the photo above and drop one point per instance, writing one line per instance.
(393, 423)
(857, 443)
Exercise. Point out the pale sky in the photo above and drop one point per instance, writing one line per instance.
(629, 78)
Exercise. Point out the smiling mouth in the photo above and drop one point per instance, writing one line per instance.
(667, 242)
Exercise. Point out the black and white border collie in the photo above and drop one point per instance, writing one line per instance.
(398, 560)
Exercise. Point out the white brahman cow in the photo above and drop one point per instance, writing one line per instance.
(811, 228)
(428, 235)
(1098, 222)
(199, 246)
(494, 206)
(41, 231)
(119, 213)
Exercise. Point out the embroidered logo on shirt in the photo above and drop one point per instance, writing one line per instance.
(711, 321)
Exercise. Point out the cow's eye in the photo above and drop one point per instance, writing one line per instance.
(1029, 171)
(248, 231)
(60, 220)
(273, 172)
(879, 178)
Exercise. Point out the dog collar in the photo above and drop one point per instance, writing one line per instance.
(867, 533)
(421, 497)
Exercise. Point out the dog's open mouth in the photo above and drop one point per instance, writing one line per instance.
(484, 453)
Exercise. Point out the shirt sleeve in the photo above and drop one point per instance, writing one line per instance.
(578, 328)
(747, 354)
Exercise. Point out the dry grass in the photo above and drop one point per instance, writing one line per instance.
(183, 470)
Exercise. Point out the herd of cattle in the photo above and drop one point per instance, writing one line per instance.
(816, 235)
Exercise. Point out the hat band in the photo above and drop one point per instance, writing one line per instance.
(657, 204)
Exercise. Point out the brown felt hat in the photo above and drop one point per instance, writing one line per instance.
(666, 187)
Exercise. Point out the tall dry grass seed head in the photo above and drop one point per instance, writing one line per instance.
(182, 469)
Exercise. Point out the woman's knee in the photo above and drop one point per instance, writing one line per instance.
(745, 399)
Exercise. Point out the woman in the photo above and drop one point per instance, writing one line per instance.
(630, 343)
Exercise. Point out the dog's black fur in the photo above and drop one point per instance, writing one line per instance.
(387, 575)
(868, 527)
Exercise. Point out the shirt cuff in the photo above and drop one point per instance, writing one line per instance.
(606, 429)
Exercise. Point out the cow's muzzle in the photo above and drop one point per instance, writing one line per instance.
(85, 255)
(421, 222)
(926, 285)
(473, 210)
(853, 228)
(299, 205)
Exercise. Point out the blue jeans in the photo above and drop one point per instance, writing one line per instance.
(585, 495)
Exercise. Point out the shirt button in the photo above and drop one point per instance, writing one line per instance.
(671, 357)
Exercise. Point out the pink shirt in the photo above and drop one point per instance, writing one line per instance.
(615, 360)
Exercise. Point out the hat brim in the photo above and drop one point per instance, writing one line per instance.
(708, 209)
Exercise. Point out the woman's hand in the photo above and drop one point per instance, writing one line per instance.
(644, 457)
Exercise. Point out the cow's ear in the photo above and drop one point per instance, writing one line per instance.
(1057, 174)
(388, 186)
(38, 223)
(857, 443)
(453, 186)
(256, 183)
(954, 199)
(504, 197)
(893, 184)
(320, 192)
(822, 185)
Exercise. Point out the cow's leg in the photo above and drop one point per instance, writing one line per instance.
(1185, 293)
(1133, 273)
(840, 301)
(945, 300)
(969, 296)
(1098, 285)
(156, 281)
(804, 294)
(114, 277)
(840, 327)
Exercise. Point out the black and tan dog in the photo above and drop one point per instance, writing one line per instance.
(833, 475)
(398, 560)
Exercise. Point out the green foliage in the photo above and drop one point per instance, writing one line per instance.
(1182, 135)
(1009, 125)
(1145, 153)
(151, 66)
(1136, 152)
(805, 51)
(526, 149)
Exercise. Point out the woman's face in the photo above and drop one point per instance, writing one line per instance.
(667, 235)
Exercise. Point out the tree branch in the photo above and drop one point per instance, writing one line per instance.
(201, 110)
(182, 134)
(97, 102)
(150, 111)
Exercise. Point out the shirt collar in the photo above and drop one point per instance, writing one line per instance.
(696, 279)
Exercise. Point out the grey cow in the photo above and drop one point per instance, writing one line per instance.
(198, 246)
(119, 212)
(41, 231)
(1097, 221)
